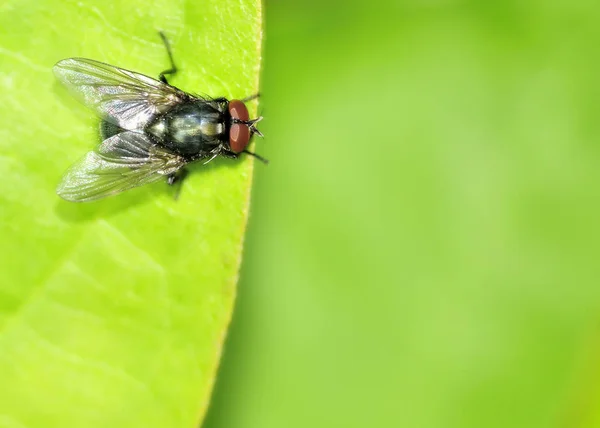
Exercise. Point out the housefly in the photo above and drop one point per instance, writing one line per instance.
(150, 129)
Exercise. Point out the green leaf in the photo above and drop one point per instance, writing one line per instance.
(113, 314)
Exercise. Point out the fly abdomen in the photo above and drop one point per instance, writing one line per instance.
(109, 129)
(190, 128)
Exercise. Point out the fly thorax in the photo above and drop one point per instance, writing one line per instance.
(158, 128)
(190, 128)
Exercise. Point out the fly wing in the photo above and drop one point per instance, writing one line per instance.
(126, 160)
(119, 96)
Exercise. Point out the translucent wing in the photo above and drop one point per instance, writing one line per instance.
(119, 96)
(126, 160)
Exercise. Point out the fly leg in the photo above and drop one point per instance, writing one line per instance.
(224, 100)
(250, 98)
(259, 157)
(173, 68)
(176, 179)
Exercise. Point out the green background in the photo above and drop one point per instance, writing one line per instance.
(422, 250)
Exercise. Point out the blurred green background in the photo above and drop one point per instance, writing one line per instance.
(422, 249)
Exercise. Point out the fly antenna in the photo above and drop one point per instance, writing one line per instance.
(252, 124)
(256, 131)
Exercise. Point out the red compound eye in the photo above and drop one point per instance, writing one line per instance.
(239, 133)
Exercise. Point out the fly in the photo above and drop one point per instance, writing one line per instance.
(151, 130)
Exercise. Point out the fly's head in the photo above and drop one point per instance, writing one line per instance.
(242, 128)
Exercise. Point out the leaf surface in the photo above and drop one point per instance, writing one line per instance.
(114, 313)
